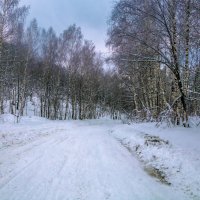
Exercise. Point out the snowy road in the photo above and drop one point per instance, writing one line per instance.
(81, 162)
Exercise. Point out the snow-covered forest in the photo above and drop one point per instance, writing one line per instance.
(155, 51)
(80, 124)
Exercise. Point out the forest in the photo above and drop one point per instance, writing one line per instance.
(154, 50)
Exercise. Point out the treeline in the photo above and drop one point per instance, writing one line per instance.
(63, 76)
(156, 48)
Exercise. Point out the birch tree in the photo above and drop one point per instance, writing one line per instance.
(166, 39)
(11, 18)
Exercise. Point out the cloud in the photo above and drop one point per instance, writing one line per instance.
(90, 15)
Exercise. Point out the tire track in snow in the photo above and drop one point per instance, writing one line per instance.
(85, 164)
(52, 143)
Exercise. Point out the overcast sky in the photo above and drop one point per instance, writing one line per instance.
(90, 15)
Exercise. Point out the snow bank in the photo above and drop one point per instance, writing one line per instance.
(7, 119)
(176, 157)
(29, 129)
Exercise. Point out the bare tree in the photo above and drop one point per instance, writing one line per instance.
(11, 21)
(162, 30)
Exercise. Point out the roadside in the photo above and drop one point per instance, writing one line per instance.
(170, 155)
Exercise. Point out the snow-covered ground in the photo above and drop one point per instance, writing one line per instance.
(97, 160)
(175, 152)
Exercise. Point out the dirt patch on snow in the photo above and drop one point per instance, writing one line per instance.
(157, 173)
(149, 140)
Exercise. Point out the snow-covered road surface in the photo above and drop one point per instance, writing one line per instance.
(77, 161)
